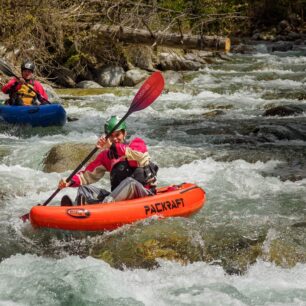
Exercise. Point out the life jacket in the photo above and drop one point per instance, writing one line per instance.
(26, 93)
(144, 175)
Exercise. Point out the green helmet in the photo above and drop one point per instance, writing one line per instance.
(112, 122)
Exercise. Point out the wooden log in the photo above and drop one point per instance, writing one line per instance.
(140, 36)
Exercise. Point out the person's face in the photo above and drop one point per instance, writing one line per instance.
(27, 74)
(118, 136)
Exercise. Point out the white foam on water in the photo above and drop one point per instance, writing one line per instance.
(279, 83)
(235, 187)
(31, 152)
(7, 136)
(30, 279)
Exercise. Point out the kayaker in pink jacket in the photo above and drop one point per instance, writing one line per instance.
(20, 90)
(132, 174)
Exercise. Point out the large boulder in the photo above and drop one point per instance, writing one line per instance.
(64, 77)
(66, 156)
(140, 56)
(52, 95)
(282, 46)
(172, 61)
(110, 76)
(134, 76)
(88, 84)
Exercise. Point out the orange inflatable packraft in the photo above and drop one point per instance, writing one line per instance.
(172, 201)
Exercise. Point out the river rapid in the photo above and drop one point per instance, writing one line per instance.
(246, 246)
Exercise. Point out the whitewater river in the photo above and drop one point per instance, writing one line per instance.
(246, 246)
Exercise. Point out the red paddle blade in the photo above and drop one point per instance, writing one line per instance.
(148, 92)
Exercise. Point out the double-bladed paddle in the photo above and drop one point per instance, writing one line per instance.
(145, 96)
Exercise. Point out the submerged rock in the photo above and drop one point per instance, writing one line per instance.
(284, 110)
(214, 113)
(140, 247)
(274, 132)
(227, 247)
(174, 240)
(287, 248)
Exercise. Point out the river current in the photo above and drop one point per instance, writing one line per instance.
(246, 246)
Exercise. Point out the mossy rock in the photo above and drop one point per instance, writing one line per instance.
(288, 249)
(141, 248)
(140, 56)
(175, 240)
(228, 248)
(67, 156)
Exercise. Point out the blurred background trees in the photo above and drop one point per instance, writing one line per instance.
(59, 32)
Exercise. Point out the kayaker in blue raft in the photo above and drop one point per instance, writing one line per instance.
(20, 90)
(132, 174)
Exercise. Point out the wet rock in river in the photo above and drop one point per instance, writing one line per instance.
(275, 132)
(214, 113)
(140, 247)
(285, 253)
(67, 156)
(282, 46)
(234, 252)
(174, 240)
(284, 110)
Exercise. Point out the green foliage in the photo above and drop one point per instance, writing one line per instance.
(73, 60)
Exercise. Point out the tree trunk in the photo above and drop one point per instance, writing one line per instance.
(174, 40)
